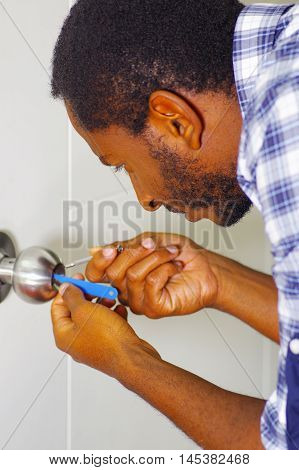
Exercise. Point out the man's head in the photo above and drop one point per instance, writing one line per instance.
(150, 86)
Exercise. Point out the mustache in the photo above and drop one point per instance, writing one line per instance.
(181, 207)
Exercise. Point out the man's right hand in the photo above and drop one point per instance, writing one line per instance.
(159, 274)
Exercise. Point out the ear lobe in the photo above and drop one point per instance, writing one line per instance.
(176, 116)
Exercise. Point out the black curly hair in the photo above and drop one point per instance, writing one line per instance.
(112, 54)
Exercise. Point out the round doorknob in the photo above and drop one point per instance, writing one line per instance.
(30, 273)
(33, 274)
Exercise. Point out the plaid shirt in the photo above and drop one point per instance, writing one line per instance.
(266, 64)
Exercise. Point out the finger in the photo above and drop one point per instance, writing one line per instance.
(122, 311)
(73, 298)
(96, 249)
(59, 299)
(155, 291)
(117, 270)
(139, 271)
(134, 250)
(133, 242)
(79, 276)
(166, 239)
(115, 273)
(95, 270)
(187, 247)
(137, 274)
(106, 302)
(60, 314)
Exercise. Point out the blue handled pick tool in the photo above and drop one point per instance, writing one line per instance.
(103, 291)
(95, 290)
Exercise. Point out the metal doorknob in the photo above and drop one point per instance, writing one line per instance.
(30, 273)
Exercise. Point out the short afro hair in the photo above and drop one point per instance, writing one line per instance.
(112, 54)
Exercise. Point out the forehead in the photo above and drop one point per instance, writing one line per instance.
(113, 145)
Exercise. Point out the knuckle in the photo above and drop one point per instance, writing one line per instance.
(122, 289)
(92, 275)
(59, 341)
(97, 262)
(135, 307)
(156, 256)
(97, 267)
(78, 309)
(151, 279)
(112, 274)
(151, 314)
(132, 275)
(136, 302)
(134, 252)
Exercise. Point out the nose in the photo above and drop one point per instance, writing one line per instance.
(148, 202)
(151, 205)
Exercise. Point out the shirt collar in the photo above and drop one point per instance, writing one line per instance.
(255, 34)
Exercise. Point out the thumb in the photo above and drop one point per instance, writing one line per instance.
(72, 296)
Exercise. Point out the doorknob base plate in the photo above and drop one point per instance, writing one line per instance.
(7, 249)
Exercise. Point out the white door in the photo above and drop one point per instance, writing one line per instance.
(48, 401)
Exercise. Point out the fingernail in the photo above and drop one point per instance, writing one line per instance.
(63, 288)
(148, 243)
(172, 249)
(108, 252)
(78, 276)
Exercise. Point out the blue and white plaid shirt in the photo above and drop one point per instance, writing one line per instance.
(266, 64)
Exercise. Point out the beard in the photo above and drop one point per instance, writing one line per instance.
(190, 187)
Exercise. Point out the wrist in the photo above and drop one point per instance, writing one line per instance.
(138, 358)
(222, 270)
(225, 279)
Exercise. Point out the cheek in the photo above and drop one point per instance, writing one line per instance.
(141, 183)
(147, 178)
(148, 188)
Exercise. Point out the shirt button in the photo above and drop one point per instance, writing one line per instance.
(294, 346)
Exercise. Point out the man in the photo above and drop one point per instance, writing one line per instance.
(199, 101)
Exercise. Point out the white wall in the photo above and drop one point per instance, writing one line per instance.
(33, 182)
(48, 404)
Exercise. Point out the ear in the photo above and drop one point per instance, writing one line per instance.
(175, 116)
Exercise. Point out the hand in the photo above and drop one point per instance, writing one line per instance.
(94, 334)
(158, 274)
